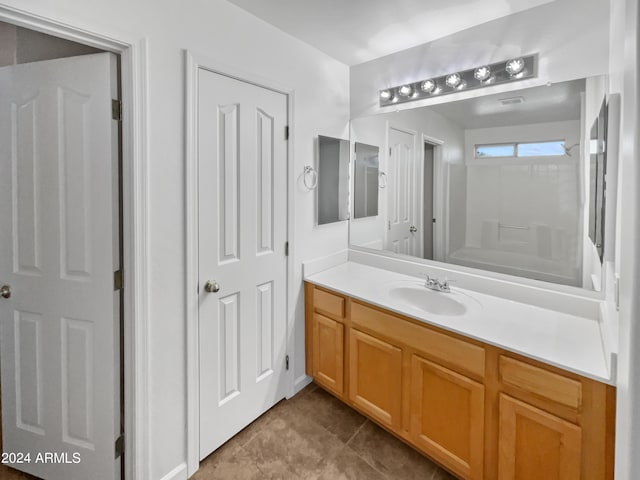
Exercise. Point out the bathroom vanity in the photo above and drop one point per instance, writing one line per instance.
(487, 387)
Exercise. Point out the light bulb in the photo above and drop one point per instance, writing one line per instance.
(405, 90)
(428, 86)
(385, 94)
(514, 66)
(482, 73)
(453, 80)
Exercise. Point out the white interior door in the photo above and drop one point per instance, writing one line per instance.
(403, 235)
(58, 252)
(242, 171)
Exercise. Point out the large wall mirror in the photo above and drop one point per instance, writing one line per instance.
(498, 182)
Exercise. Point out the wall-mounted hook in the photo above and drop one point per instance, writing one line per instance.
(308, 170)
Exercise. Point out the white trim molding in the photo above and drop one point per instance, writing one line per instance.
(194, 63)
(178, 473)
(135, 222)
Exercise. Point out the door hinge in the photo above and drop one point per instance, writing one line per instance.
(286, 132)
(286, 362)
(433, 220)
(389, 151)
(116, 109)
(117, 280)
(119, 446)
(286, 249)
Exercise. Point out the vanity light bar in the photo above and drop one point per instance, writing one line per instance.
(514, 69)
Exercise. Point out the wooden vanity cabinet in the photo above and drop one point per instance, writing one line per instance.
(535, 444)
(447, 417)
(328, 353)
(477, 410)
(375, 378)
(325, 345)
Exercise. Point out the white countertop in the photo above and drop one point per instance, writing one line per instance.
(567, 341)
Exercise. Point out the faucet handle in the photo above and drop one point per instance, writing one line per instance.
(446, 287)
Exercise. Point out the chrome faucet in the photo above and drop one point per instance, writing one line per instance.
(436, 285)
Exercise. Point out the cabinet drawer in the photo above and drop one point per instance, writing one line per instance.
(432, 344)
(540, 382)
(328, 303)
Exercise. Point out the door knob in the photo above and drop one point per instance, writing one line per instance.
(211, 286)
(413, 229)
(5, 291)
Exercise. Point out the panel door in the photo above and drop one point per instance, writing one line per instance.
(447, 417)
(402, 209)
(328, 353)
(535, 444)
(242, 165)
(375, 377)
(58, 253)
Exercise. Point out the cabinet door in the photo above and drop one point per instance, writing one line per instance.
(375, 377)
(536, 445)
(328, 353)
(447, 417)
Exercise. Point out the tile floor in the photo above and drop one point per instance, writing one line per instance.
(315, 436)
(7, 473)
(311, 436)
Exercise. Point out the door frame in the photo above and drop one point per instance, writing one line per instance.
(440, 197)
(135, 339)
(193, 63)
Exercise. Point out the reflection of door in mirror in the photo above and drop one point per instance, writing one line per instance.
(429, 217)
(402, 234)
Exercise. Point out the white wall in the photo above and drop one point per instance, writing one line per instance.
(230, 36)
(624, 79)
(372, 130)
(570, 35)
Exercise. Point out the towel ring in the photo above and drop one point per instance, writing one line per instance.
(382, 180)
(308, 170)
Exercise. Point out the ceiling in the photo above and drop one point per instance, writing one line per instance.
(554, 103)
(356, 31)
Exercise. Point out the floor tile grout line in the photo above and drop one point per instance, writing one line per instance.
(356, 432)
(366, 420)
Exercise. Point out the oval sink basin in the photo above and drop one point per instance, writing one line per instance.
(438, 303)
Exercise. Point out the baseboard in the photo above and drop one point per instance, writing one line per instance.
(300, 383)
(178, 473)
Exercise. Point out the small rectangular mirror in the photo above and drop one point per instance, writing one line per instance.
(333, 180)
(365, 183)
